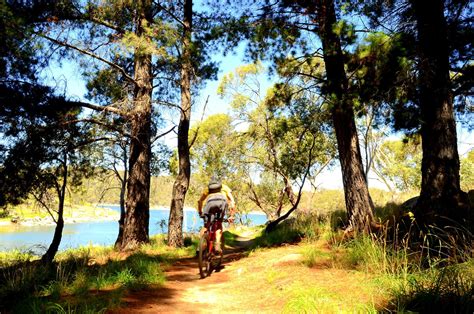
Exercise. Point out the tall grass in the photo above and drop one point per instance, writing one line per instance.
(420, 275)
(87, 279)
(444, 290)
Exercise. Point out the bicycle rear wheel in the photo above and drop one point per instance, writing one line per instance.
(204, 258)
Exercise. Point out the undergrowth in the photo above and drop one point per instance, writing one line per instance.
(84, 280)
(434, 274)
(411, 274)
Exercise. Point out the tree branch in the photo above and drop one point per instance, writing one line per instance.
(39, 200)
(100, 108)
(170, 13)
(98, 122)
(163, 134)
(197, 129)
(88, 53)
(272, 225)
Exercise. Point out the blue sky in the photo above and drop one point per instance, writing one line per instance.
(68, 77)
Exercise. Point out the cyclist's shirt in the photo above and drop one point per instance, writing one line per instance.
(225, 190)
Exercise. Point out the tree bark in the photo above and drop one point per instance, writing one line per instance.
(358, 202)
(48, 257)
(181, 184)
(440, 194)
(136, 229)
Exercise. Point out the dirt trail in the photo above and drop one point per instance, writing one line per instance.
(184, 291)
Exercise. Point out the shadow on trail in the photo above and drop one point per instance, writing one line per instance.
(186, 269)
(147, 299)
(181, 278)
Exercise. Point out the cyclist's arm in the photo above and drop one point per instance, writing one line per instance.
(230, 199)
(201, 200)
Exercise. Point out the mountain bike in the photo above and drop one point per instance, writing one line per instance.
(209, 258)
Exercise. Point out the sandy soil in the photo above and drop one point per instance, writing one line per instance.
(184, 290)
(262, 281)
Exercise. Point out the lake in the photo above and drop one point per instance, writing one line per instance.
(38, 238)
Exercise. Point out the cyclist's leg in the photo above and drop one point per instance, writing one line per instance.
(206, 217)
(202, 231)
(219, 236)
(222, 213)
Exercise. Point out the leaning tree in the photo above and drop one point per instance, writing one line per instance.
(310, 33)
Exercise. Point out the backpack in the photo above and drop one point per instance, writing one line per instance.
(216, 205)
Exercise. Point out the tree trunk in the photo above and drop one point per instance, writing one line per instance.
(294, 201)
(48, 257)
(136, 229)
(123, 188)
(440, 194)
(180, 186)
(358, 203)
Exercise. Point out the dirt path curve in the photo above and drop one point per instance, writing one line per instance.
(184, 291)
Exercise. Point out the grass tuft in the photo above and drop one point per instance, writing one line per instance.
(70, 283)
(319, 300)
(445, 290)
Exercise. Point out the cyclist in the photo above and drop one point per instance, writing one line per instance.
(217, 198)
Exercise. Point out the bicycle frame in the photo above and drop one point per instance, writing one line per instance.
(212, 228)
(207, 252)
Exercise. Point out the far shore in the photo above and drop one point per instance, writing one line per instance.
(77, 215)
(83, 215)
(189, 209)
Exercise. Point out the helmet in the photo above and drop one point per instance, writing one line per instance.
(215, 184)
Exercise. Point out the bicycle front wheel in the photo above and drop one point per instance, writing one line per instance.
(204, 261)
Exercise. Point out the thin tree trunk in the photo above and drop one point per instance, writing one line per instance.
(440, 194)
(294, 200)
(123, 188)
(358, 203)
(181, 184)
(136, 230)
(48, 257)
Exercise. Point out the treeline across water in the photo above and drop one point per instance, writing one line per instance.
(104, 188)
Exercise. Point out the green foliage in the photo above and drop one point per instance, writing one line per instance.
(217, 147)
(16, 256)
(323, 201)
(292, 231)
(4, 213)
(467, 171)
(217, 151)
(378, 61)
(399, 164)
(105, 188)
(283, 139)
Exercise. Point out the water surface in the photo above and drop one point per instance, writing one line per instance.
(38, 238)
